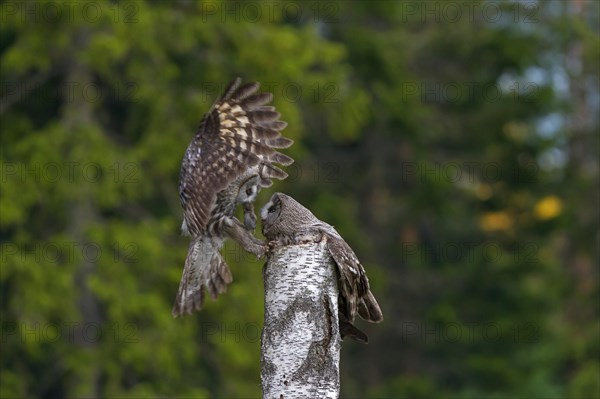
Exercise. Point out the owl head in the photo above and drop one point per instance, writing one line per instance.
(284, 216)
(270, 212)
(248, 190)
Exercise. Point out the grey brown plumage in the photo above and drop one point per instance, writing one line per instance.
(286, 221)
(237, 133)
(236, 141)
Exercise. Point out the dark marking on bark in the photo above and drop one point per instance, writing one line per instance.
(286, 318)
(317, 364)
(315, 369)
(266, 366)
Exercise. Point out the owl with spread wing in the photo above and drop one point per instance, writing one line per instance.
(231, 157)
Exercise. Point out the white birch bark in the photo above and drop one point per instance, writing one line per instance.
(300, 346)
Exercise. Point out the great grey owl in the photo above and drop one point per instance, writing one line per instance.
(285, 222)
(230, 158)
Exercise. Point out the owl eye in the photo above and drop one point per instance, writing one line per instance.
(272, 209)
(248, 191)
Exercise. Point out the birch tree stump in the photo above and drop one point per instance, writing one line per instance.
(300, 345)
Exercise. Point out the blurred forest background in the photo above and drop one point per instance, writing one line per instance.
(453, 144)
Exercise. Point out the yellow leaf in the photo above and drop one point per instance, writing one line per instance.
(491, 221)
(548, 207)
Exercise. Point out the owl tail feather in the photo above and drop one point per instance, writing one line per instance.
(205, 270)
(368, 308)
(347, 329)
(220, 276)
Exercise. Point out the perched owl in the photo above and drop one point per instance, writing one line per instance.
(229, 159)
(285, 222)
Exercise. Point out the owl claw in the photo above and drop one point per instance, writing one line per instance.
(307, 237)
(265, 249)
(278, 242)
(270, 247)
(238, 233)
(257, 250)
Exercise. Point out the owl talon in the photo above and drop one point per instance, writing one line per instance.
(257, 250)
(271, 245)
(307, 237)
(264, 250)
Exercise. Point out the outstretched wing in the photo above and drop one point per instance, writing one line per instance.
(240, 131)
(355, 295)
